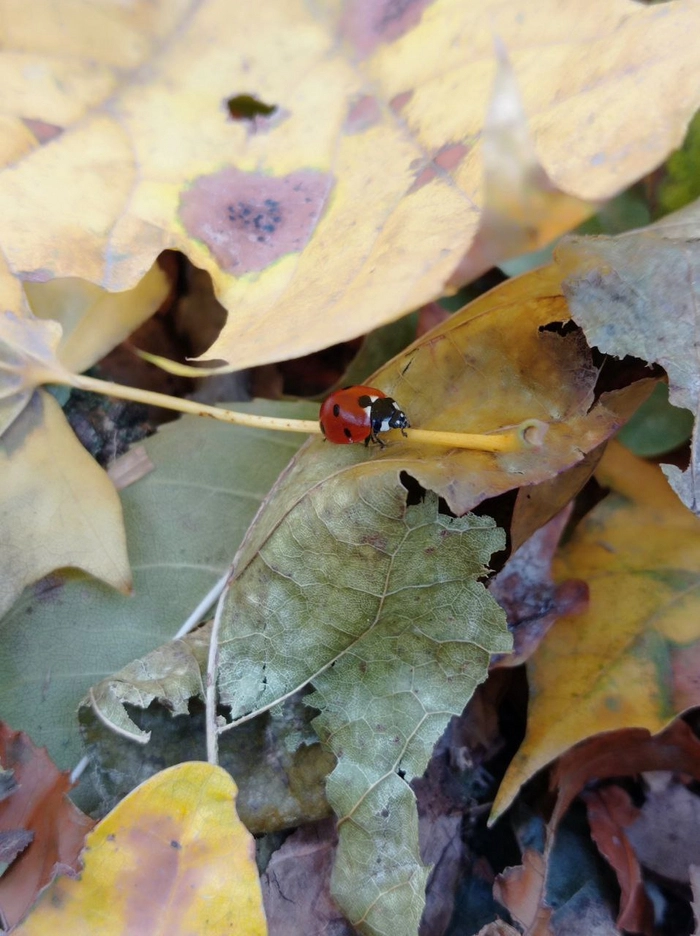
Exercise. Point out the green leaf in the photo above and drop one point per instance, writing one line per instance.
(657, 427)
(184, 522)
(379, 605)
(682, 183)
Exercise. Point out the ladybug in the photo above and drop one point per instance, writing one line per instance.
(357, 414)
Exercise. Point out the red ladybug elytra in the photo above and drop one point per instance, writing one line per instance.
(357, 414)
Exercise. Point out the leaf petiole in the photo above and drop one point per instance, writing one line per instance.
(528, 434)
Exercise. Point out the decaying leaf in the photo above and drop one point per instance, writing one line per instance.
(609, 811)
(665, 831)
(379, 606)
(125, 149)
(521, 890)
(39, 807)
(639, 553)
(172, 673)
(638, 294)
(172, 857)
(526, 592)
(625, 752)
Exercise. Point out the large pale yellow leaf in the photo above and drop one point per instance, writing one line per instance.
(631, 659)
(173, 857)
(58, 507)
(359, 196)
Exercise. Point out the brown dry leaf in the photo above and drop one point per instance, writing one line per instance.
(526, 592)
(521, 891)
(125, 148)
(296, 885)
(58, 508)
(38, 806)
(172, 857)
(638, 294)
(619, 753)
(665, 832)
(610, 810)
(607, 668)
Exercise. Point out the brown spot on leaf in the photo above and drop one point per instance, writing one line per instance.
(368, 23)
(426, 175)
(249, 220)
(398, 102)
(363, 113)
(43, 131)
(450, 156)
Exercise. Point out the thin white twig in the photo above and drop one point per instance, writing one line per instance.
(77, 771)
(204, 605)
(212, 673)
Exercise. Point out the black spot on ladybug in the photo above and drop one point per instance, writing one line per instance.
(348, 434)
(364, 401)
(336, 410)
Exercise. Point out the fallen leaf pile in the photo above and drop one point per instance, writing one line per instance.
(384, 646)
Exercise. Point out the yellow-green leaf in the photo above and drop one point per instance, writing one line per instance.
(172, 857)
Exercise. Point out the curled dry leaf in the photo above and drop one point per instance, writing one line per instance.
(610, 810)
(521, 890)
(172, 674)
(127, 149)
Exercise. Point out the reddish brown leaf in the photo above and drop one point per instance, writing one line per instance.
(521, 890)
(39, 806)
(610, 810)
(622, 753)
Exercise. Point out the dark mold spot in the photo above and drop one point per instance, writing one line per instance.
(364, 112)
(43, 131)
(247, 107)
(368, 23)
(249, 220)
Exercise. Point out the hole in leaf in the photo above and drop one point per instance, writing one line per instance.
(247, 107)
